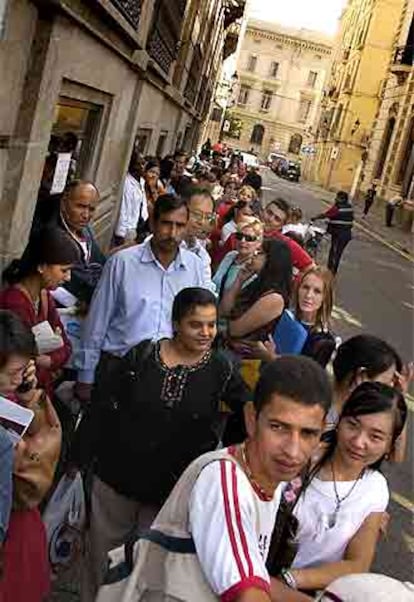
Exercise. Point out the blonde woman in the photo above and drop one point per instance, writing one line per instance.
(249, 195)
(249, 238)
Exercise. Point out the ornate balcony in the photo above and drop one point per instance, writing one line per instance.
(130, 9)
(403, 62)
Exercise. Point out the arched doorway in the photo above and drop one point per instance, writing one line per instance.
(295, 144)
(257, 134)
(385, 144)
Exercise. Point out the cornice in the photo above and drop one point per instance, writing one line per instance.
(289, 40)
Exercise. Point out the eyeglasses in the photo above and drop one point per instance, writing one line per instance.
(200, 216)
(246, 237)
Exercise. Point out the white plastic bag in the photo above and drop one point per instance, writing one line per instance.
(64, 518)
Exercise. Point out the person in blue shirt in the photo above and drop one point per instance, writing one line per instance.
(133, 300)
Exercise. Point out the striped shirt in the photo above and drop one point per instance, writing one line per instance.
(231, 525)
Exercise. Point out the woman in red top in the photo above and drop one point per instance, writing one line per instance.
(45, 265)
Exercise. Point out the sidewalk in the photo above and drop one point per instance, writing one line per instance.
(375, 222)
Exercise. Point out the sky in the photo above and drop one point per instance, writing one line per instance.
(320, 15)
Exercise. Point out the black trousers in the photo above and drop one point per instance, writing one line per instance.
(368, 204)
(338, 244)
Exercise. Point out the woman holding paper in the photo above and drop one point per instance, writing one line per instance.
(44, 265)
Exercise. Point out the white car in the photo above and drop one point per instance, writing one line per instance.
(250, 160)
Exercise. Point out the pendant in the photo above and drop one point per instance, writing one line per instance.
(332, 518)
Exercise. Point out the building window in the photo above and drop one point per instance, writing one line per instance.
(257, 134)
(312, 79)
(243, 95)
(405, 170)
(162, 45)
(161, 144)
(142, 140)
(337, 118)
(295, 144)
(386, 140)
(266, 100)
(216, 114)
(304, 110)
(251, 63)
(274, 68)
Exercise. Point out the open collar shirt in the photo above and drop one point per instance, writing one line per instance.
(133, 302)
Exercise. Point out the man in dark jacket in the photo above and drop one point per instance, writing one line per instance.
(74, 214)
(340, 222)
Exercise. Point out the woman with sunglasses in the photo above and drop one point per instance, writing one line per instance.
(233, 218)
(340, 510)
(249, 239)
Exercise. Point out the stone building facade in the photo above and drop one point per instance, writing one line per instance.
(281, 76)
(363, 51)
(390, 160)
(97, 77)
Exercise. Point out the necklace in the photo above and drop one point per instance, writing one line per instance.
(261, 491)
(333, 517)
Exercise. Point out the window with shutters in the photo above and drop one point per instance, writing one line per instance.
(274, 69)
(243, 95)
(304, 110)
(312, 79)
(162, 45)
(252, 63)
(266, 100)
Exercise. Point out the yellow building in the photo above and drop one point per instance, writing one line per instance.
(363, 50)
(281, 75)
(390, 161)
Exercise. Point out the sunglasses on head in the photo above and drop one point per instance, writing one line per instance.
(246, 237)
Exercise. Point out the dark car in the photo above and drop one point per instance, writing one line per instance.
(291, 171)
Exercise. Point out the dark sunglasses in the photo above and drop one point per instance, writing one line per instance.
(246, 237)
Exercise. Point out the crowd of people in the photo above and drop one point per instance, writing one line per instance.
(209, 418)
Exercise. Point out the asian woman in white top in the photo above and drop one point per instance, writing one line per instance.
(341, 509)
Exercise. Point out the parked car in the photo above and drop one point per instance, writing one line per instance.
(291, 171)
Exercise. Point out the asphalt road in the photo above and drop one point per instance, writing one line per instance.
(374, 294)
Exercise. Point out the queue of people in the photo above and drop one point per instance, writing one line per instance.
(208, 419)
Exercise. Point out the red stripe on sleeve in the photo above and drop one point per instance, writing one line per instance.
(239, 520)
(249, 583)
(230, 526)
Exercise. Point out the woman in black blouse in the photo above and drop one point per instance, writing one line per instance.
(166, 409)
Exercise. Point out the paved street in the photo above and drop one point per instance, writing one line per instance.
(375, 293)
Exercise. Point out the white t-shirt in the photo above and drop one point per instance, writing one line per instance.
(318, 543)
(133, 205)
(231, 526)
(227, 230)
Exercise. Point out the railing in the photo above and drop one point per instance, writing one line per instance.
(162, 50)
(130, 9)
(404, 55)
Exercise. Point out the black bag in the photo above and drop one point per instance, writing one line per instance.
(115, 376)
(284, 545)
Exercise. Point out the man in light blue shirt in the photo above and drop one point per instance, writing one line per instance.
(201, 221)
(133, 300)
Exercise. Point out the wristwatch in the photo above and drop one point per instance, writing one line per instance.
(288, 579)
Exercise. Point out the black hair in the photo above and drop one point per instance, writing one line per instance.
(298, 378)
(231, 213)
(342, 197)
(281, 204)
(371, 398)
(16, 338)
(275, 276)
(364, 351)
(49, 246)
(197, 191)
(151, 163)
(166, 166)
(188, 298)
(166, 203)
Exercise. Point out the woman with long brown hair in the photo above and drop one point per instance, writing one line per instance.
(313, 304)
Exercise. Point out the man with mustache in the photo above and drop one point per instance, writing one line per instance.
(133, 300)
